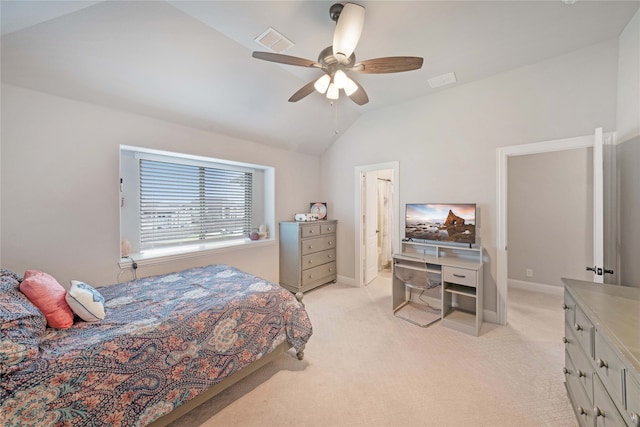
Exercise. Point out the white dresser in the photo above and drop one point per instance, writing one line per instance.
(602, 357)
(307, 254)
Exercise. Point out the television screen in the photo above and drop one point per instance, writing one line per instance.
(453, 222)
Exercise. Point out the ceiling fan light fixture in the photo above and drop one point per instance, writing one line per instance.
(340, 79)
(322, 84)
(348, 31)
(333, 92)
(350, 87)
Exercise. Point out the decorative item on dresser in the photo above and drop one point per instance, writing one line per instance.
(602, 357)
(307, 254)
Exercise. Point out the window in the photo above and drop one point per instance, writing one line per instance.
(180, 202)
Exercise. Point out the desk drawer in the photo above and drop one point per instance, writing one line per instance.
(609, 368)
(461, 276)
(310, 246)
(318, 258)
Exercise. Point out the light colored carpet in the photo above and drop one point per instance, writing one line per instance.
(365, 367)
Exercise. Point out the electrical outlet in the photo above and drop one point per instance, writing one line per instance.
(529, 272)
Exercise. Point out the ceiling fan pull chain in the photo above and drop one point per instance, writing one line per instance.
(335, 105)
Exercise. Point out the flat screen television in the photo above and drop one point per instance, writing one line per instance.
(441, 222)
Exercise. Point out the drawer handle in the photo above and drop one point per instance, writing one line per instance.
(602, 363)
(598, 412)
(330, 242)
(581, 374)
(329, 256)
(310, 261)
(310, 276)
(565, 307)
(310, 246)
(581, 410)
(578, 327)
(565, 371)
(331, 269)
(635, 419)
(565, 340)
(310, 231)
(461, 276)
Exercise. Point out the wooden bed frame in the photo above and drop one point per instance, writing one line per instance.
(227, 382)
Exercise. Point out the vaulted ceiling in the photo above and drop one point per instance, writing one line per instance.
(190, 62)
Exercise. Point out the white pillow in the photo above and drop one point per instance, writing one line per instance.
(85, 301)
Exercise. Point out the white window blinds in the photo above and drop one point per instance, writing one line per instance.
(186, 204)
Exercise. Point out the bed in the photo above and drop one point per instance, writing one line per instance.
(167, 343)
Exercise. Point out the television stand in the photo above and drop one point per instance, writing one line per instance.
(448, 278)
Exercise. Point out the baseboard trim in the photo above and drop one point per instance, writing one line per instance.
(536, 287)
(347, 280)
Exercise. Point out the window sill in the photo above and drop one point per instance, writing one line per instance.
(160, 256)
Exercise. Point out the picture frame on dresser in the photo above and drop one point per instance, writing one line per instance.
(318, 208)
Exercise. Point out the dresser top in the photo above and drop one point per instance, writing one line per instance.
(616, 309)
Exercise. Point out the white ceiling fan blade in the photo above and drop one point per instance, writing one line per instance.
(348, 30)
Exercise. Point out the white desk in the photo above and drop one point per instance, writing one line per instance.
(458, 271)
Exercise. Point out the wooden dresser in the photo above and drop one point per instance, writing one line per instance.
(307, 254)
(602, 357)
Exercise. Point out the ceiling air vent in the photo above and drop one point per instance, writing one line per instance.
(273, 40)
(442, 80)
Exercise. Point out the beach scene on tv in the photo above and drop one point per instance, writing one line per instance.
(440, 222)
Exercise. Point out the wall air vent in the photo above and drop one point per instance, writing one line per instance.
(273, 40)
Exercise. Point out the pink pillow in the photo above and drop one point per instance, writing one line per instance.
(49, 296)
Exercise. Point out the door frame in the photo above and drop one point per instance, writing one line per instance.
(503, 154)
(360, 172)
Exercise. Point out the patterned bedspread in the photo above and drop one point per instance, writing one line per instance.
(164, 340)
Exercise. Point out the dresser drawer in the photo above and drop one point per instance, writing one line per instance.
(583, 368)
(580, 400)
(310, 246)
(633, 401)
(310, 230)
(317, 273)
(609, 368)
(604, 410)
(583, 330)
(569, 306)
(461, 276)
(318, 258)
(327, 228)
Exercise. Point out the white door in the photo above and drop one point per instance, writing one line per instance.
(603, 203)
(370, 221)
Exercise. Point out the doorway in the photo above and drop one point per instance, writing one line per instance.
(376, 218)
(502, 220)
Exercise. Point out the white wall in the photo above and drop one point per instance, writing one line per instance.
(446, 143)
(628, 152)
(60, 201)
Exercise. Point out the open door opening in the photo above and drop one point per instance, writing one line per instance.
(376, 218)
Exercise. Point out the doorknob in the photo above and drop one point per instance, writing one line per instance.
(599, 271)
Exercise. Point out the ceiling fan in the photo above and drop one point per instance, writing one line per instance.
(338, 60)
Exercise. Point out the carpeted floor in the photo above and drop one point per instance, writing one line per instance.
(365, 367)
